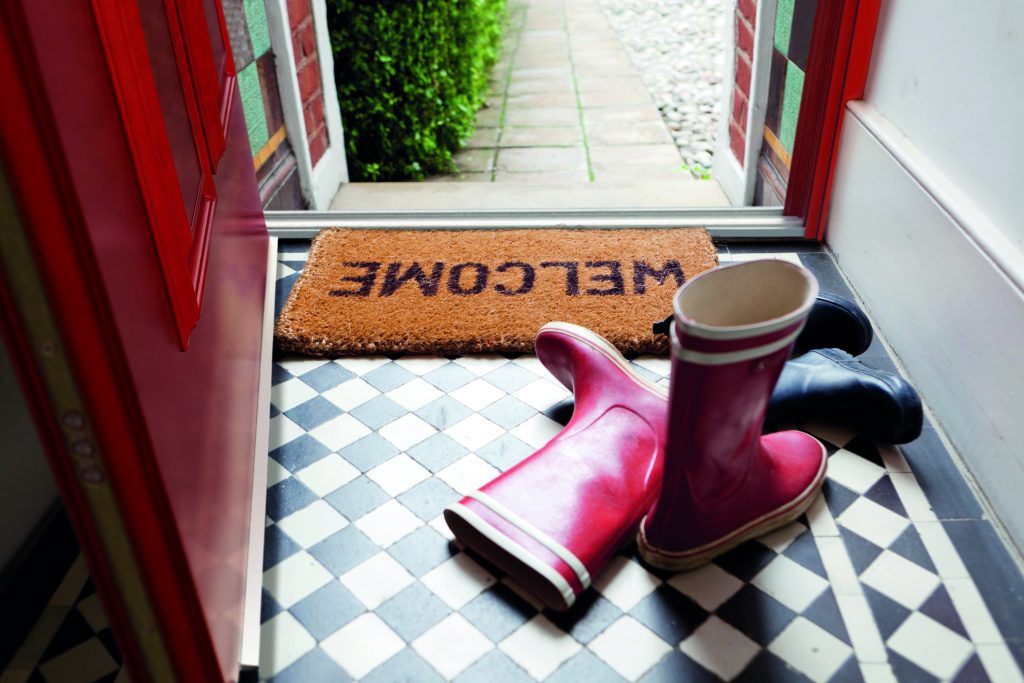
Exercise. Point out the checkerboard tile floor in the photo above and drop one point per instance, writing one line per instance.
(364, 580)
(895, 574)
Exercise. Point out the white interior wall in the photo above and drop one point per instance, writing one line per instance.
(26, 487)
(925, 223)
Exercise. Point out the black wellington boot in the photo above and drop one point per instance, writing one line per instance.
(835, 322)
(831, 385)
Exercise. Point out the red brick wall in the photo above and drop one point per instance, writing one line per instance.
(307, 67)
(746, 12)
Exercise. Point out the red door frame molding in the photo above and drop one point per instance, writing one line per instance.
(837, 70)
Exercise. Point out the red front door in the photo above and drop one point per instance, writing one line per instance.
(132, 285)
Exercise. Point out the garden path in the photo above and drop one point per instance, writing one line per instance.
(567, 107)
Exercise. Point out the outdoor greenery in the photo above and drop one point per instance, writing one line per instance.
(411, 75)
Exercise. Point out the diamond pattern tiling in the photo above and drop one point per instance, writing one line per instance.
(424, 430)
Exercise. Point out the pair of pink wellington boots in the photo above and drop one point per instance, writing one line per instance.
(688, 473)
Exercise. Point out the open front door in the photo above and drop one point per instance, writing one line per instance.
(132, 291)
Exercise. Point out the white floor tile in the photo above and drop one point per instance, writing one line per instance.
(377, 579)
(477, 395)
(291, 393)
(912, 497)
(946, 558)
(340, 432)
(841, 575)
(398, 474)
(533, 364)
(414, 394)
(362, 645)
(421, 365)
(900, 579)
(810, 650)
(295, 578)
(930, 645)
(458, 580)
(327, 474)
(282, 431)
(972, 611)
(539, 647)
(407, 431)
(313, 523)
(467, 474)
(820, 519)
(276, 473)
(440, 526)
(852, 471)
(283, 640)
(860, 624)
(791, 584)
(870, 520)
(474, 432)
(780, 539)
(625, 583)
(629, 647)
(389, 523)
(300, 365)
(537, 431)
(351, 394)
(541, 394)
(481, 364)
(720, 648)
(709, 586)
(999, 663)
(659, 365)
(362, 364)
(452, 645)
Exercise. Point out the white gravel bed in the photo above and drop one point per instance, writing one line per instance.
(676, 45)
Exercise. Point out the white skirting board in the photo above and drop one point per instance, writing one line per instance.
(947, 290)
(258, 512)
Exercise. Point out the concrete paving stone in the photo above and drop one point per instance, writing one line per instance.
(543, 35)
(614, 98)
(531, 61)
(543, 72)
(545, 179)
(594, 83)
(657, 156)
(542, 159)
(586, 68)
(543, 100)
(610, 116)
(541, 136)
(482, 137)
(474, 160)
(460, 178)
(489, 116)
(642, 134)
(556, 86)
(548, 116)
(642, 175)
(554, 51)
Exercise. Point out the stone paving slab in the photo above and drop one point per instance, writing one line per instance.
(567, 106)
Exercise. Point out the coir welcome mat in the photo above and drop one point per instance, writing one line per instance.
(471, 291)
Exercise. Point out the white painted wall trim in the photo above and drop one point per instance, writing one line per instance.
(764, 39)
(972, 220)
(945, 289)
(318, 185)
(726, 169)
(738, 181)
(332, 169)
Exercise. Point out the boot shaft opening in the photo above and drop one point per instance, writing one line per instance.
(746, 298)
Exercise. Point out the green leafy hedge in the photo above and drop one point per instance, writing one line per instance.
(411, 75)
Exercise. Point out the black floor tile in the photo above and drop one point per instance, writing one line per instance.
(940, 478)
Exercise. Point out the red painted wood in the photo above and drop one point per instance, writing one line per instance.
(840, 52)
(206, 76)
(176, 428)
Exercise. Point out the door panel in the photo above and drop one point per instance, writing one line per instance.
(174, 430)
